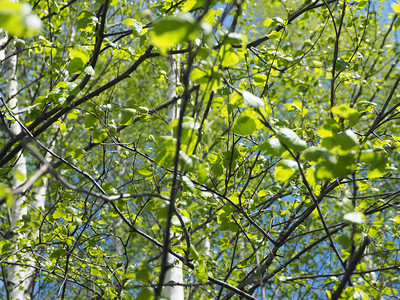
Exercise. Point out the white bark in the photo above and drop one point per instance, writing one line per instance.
(173, 80)
(175, 273)
(19, 279)
(118, 246)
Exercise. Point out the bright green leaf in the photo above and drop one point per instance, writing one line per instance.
(289, 138)
(396, 8)
(245, 124)
(252, 100)
(378, 167)
(354, 217)
(272, 147)
(17, 18)
(285, 169)
(127, 115)
(172, 30)
(345, 142)
(90, 121)
(316, 154)
(188, 184)
(347, 113)
(146, 293)
(136, 26)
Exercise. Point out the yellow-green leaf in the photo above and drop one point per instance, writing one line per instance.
(18, 19)
(245, 124)
(172, 30)
(285, 169)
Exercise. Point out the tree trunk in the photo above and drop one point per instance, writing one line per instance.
(175, 273)
(19, 278)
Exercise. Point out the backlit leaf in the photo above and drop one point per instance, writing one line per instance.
(18, 19)
(289, 138)
(172, 30)
(285, 169)
(354, 217)
(252, 100)
(245, 124)
(272, 147)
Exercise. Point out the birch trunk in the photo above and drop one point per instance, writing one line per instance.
(175, 273)
(19, 279)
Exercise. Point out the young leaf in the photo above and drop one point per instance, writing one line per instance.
(245, 124)
(127, 116)
(17, 18)
(146, 293)
(354, 217)
(291, 139)
(316, 154)
(272, 147)
(347, 113)
(285, 169)
(345, 142)
(172, 30)
(252, 100)
(136, 26)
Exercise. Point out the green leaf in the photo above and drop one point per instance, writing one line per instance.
(273, 22)
(191, 4)
(345, 166)
(127, 115)
(188, 184)
(78, 153)
(207, 78)
(6, 192)
(172, 30)
(289, 138)
(345, 142)
(58, 214)
(347, 113)
(234, 38)
(146, 293)
(86, 21)
(272, 147)
(231, 56)
(165, 153)
(17, 19)
(329, 128)
(354, 217)
(363, 106)
(324, 171)
(390, 245)
(285, 169)
(362, 4)
(274, 35)
(252, 100)
(57, 253)
(317, 154)
(341, 64)
(193, 253)
(19, 176)
(344, 241)
(202, 173)
(378, 167)
(79, 57)
(143, 274)
(245, 124)
(396, 8)
(136, 26)
(201, 271)
(145, 171)
(90, 121)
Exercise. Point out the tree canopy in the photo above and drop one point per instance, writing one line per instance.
(233, 149)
